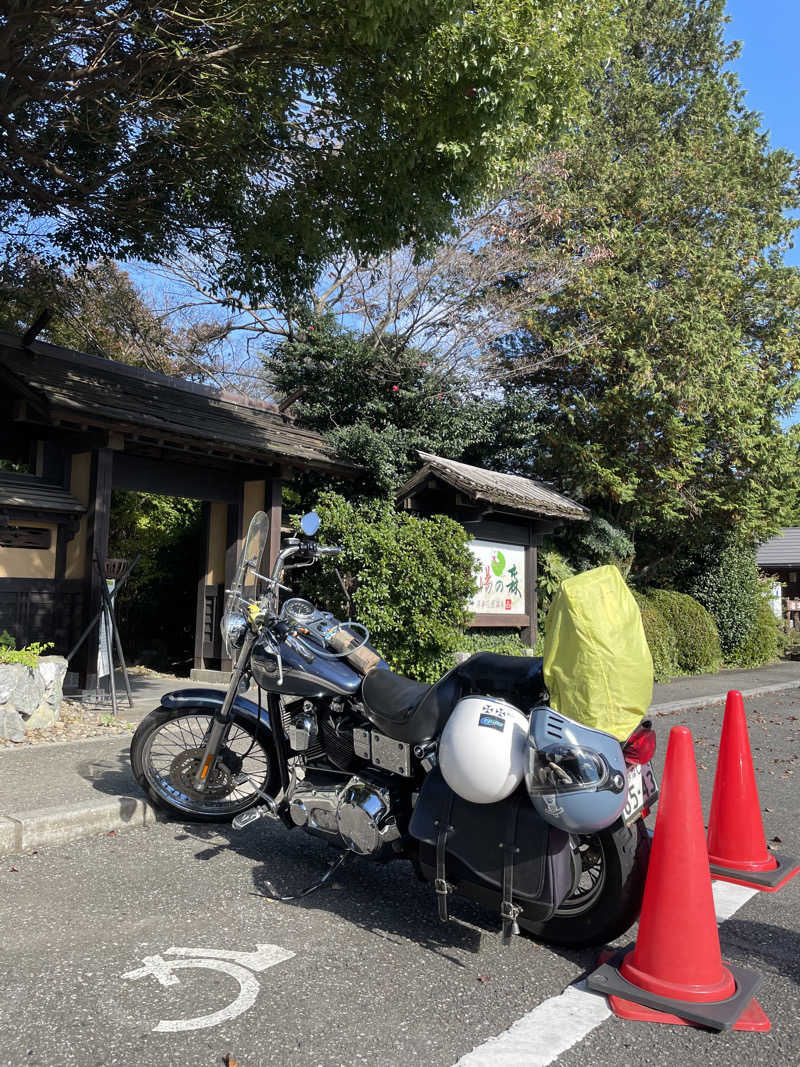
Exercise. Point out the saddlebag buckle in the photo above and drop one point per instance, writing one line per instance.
(509, 912)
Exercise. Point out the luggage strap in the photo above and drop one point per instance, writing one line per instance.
(509, 911)
(441, 885)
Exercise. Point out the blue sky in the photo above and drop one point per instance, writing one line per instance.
(768, 69)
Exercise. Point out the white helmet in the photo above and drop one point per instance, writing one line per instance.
(483, 749)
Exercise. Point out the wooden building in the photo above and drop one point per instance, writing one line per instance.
(780, 559)
(84, 425)
(506, 517)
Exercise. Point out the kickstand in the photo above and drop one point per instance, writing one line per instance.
(334, 867)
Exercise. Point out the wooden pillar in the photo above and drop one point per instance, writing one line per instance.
(233, 546)
(275, 511)
(529, 634)
(99, 516)
(200, 613)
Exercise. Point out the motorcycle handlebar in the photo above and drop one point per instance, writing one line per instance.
(329, 550)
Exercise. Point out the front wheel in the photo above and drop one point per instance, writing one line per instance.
(607, 896)
(166, 751)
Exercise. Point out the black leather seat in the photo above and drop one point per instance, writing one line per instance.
(410, 711)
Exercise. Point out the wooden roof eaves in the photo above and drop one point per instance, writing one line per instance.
(153, 434)
(452, 479)
(125, 370)
(32, 397)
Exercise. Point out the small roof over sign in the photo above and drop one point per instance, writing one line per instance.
(504, 490)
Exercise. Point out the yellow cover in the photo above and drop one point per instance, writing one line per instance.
(597, 665)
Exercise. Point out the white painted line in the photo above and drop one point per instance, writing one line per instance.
(265, 956)
(728, 898)
(213, 959)
(557, 1024)
(248, 991)
(544, 1033)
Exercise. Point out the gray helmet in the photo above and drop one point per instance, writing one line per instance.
(575, 775)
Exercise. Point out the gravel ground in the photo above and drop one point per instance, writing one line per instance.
(78, 721)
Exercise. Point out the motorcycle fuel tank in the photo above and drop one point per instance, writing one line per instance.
(320, 678)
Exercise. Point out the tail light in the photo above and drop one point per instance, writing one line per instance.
(641, 745)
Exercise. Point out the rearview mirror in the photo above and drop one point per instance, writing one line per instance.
(310, 523)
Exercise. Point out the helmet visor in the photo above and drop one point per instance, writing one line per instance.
(562, 768)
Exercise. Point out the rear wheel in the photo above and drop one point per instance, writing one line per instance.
(611, 867)
(166, 751)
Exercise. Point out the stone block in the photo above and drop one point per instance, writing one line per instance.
(12, 725)
(30, 697)
(45, 715)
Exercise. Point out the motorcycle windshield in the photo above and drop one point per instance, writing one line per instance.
(245, 588)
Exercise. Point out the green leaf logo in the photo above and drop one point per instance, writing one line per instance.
(498, 563)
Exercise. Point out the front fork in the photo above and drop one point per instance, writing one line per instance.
(222, 717)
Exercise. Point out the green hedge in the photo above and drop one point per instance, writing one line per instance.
(697, 645)
(724, 578)
(504, 644)
(765, 641)
(661, 639)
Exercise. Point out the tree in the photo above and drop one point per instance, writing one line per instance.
(281, 131)
(453, 300)
(98, 309)
(665, 370)
(408, 580)
(378, 405)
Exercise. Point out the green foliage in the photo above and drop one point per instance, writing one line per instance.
(723, 576)
(552, 570)
(275, 135)
(378, 404)
(504, 643)
(666, 367)
(597, 543)
(28, 655)
(156, 608)
(765, 641)
(661, 639)
(409, 579)
(697, 646)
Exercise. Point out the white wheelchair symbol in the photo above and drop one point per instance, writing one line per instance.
(241, 967)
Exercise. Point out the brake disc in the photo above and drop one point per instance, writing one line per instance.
(184, 768)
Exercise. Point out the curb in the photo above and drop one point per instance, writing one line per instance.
(719, 698)
(58, 826)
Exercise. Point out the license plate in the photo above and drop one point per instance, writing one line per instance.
(642, 790)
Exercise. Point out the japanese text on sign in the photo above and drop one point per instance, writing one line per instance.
(501, 579)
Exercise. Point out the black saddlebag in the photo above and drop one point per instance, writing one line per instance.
(477, 843)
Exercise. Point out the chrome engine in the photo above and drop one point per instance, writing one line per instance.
(357, 812)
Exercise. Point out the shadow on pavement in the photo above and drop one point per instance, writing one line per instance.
(385, 899)
(776, 946)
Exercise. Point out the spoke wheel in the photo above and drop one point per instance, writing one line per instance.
(590, 879)
(167, 750)
(610, 868)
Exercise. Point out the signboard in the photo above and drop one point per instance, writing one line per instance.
(501, 579)
(104, 657)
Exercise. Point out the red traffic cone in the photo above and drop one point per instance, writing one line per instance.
(675, 972)
(737, 848)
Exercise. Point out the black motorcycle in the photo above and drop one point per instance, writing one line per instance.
(348, 751)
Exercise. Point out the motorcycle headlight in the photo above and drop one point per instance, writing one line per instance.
(233, 627)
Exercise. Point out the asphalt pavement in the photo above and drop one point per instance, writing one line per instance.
(114, 944)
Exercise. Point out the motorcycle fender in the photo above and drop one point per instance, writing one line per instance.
(213, 699)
